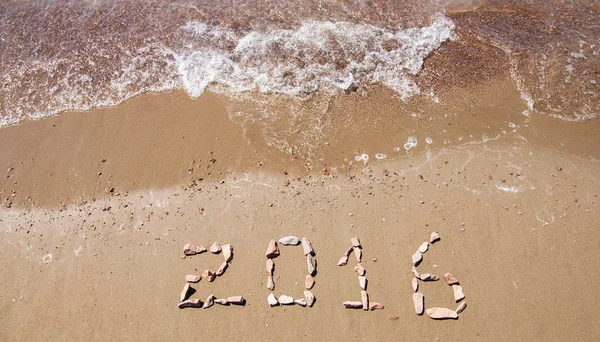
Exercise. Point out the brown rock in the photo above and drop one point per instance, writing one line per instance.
(192, 278)
(393, 317)
(461, 307)
(221, 301)
(215, 248)
(451, 279)
(270, 283)
(270, 266)
(375, 306)
(353, 305)
(222, 268)
(355, 242)
(227, 252)
(358, 254)
(417, 258)
(200, 249)
(348, 251)
(237, 300)
(185, 293)
(343, 261)
(415, 284)
(364, 297)
(209, 302)
(190, 303)
(310, 298)
(458, 293)
(189, 249)
(307, 247)
(272, 250)
(311, 263)
(441, 313)
(418, 302)
(434, 237)
(310, 282)
(208, 275)
(359, 269)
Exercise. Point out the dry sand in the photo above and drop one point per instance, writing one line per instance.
(516, 212)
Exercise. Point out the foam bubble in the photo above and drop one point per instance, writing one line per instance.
(410, 143)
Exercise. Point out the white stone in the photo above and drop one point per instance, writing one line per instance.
(353, 305)
(272, 300)
(358, 254)
(461, 307)
(185, 292)
(343, 261)
(418, 302)
(190, 303)
(441, 313)
(424, 247)
(209, 302)
(222, 268)
(311, 262)
(355, 241)
(286, 300)
(192, 278)
(416, 272)
(300, 301)
(429, 277)
(221, 301)
(458, 293)
(289, 241)
(307, 247)
(348, 251)
(215, 248)
(364, 297)
(415, 284)
(359, 269)
(237, 300)
(310, 298)
(270, 283)
(189, 249)
(362, 281)
(417, 258)
(227, 252)
(434, 237)
(270, 266)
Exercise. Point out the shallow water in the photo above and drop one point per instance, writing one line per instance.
(58, 56)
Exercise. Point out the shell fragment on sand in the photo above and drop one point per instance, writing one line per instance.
(418, 302)
(451, 279)
(189, 249)
(185, 293)
(355, 242)
(353, 305)
(222, 268)
(461, 307)
(417, 258)
(289, 241)
(209, 302)
(272, 300)
(227, 252)
(429, 277)
(310, 298)
(286, 300)
(208, 275)
(441, 313)
(311, 263)
(362, 281)
(270, 266)
(192, 278)
(435, 237)
(415, 284)
(272, 250)
(458, 293)
(343, 261)
(364, 297)
(190, 303)
(307, 247)
(376, 306)
(310, 282)
(215, 248)
(270, 283)
(300, 301)
(424, 247)
(237, 300)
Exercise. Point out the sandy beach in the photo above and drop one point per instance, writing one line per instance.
(98, 207)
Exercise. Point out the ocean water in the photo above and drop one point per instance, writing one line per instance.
(58, 56)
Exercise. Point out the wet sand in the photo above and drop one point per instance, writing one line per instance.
(105, 200)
